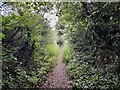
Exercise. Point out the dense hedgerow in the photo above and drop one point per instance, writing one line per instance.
(92, 31)
(28, 48)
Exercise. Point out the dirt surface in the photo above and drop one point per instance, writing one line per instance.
(58, 78)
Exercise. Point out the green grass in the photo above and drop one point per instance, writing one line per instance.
(53, 49)
(67, 51)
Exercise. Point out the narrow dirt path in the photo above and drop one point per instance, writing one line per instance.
(58, 78)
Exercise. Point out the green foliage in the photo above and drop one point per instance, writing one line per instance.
(33, 79)
(86, 76)
(28, 49)
(92, 30)
(2, 36)
(92, 55)
(53, 49)
(66, 53)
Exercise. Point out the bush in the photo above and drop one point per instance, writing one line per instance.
(28, 51)
(66, 53)
(86, 76)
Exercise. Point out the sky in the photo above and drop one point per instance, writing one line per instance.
(51, 17)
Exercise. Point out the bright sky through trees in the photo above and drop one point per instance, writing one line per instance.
(51, 17)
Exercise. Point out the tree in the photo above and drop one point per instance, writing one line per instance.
(92, 30)
(26, 46)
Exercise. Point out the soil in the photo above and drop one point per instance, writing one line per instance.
(58, 78)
